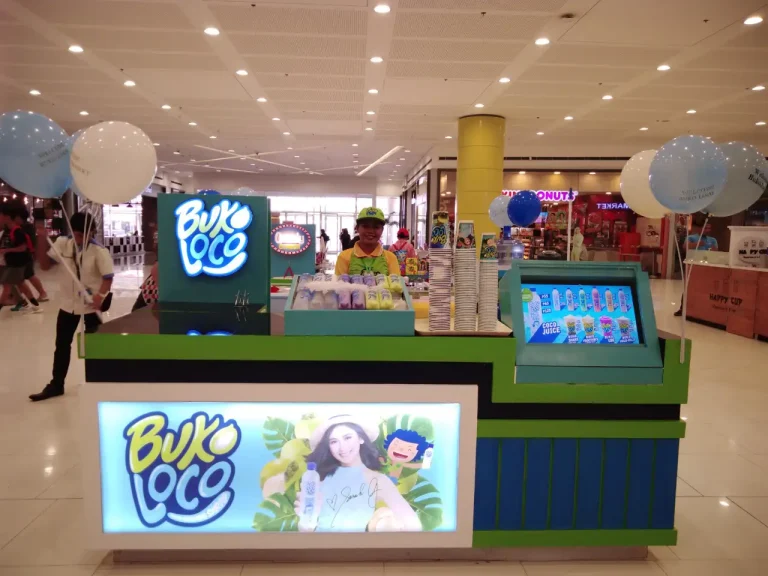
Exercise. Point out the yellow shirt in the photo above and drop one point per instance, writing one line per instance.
(342, 262)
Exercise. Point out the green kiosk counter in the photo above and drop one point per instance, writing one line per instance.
(210, 426)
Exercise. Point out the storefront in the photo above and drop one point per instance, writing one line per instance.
(210, 422)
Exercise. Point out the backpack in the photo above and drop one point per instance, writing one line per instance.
(15, 230)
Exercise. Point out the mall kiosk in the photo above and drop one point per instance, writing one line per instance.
(201, 439)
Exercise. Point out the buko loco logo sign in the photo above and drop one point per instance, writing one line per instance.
(181, 476)
(212, 243)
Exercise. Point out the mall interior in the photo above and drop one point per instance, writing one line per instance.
(291, 404)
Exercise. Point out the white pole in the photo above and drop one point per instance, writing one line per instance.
(570, 210)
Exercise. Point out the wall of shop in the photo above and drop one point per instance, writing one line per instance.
(299, 185)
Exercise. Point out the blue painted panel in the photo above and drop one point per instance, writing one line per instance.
(511, 492)
(640, 483)
(563, 484)
(588, 488)
(614, 483)
(664, 484)
(537, 484)
(486, 477)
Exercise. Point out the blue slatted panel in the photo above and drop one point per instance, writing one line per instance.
(640, 483)
(664, 484)
(563, 484)
(614, 483)
(588, 490)
(486, 477)
(511, 492)
(537, 484)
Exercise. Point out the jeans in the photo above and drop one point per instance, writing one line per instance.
(66, 326)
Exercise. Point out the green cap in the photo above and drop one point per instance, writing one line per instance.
(371, 214)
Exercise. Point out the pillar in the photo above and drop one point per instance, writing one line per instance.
(480, 169)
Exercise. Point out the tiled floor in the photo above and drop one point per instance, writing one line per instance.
(722, 508)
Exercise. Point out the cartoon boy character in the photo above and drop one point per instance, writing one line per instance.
(403, 447)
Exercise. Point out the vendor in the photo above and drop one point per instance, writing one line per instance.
(368, 255)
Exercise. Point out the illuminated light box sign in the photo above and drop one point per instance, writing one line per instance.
(575, 314)
(290, 239)
(212, 242)
(612, 206)
(548, 195)
(250, 467)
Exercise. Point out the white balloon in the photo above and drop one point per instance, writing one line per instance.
(113, 162)
(636, 188)
(747, 177)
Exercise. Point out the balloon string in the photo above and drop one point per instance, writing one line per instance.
(682, 326)
(686, 283)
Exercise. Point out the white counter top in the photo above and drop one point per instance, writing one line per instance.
(711, 265)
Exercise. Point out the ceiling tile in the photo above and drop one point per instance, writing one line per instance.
(440, 92)
(315, 66)
(290, 19)
(441, 24)
(408, 69)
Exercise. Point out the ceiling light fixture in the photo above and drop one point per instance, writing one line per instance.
(752, 20)
(212, 137)
(663, 67)
(276, 119)
(377, 59)
(758, 88)
(592, 173)
(761, 123)
(504, 80)
(83, 112)
(449, 137)
(370, 113)
(193, 123)
(382, 9)
(35, 92)
(155, 143)
(302, 163)
(354, 145)
(369, 129)
(289, 148)
(242, 72)
(691, 111)
(231, 151)
(262, 99)
(557, 173)
(407, 151)
(373, 91)
(478, 105)
(608, 193)
(129, 83)
(607, 97)
(297, 156)
(539, 133)
(75, 49)
(542, 41)
(522, 172)
(568, 118)
(211, 31)
(176, 153)
(643, 129)
(286, 133)
(166, 107)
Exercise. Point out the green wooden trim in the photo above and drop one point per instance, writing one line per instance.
(580, 429)
(672, 390)
(564, 538)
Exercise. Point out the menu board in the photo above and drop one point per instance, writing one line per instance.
(579, 314)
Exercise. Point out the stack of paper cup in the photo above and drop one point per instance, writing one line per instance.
(488, 293)
(440, 265)
(465, 277)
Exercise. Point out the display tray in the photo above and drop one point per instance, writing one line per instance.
(422, 329)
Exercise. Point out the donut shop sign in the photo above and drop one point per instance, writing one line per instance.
(548, 195)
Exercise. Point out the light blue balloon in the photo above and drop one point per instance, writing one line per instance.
(34, 154)
(747, 179)
(209, 193)
(498, 211)
(687, 174)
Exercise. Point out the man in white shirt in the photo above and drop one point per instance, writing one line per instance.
(92, 264)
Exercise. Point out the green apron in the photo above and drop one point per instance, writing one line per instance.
(375, 264)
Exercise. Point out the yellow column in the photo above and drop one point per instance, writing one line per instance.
(480, 172)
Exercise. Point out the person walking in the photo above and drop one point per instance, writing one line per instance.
(346, 239)
(91, 263)
(18, 255)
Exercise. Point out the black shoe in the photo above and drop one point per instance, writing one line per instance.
(50, 391)
(679, 313)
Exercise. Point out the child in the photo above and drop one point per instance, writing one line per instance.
(403, 447)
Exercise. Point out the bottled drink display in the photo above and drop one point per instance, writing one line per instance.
(310, 491)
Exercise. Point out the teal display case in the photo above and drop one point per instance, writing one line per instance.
(593, 323)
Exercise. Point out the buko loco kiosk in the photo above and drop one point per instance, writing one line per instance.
(206, 426)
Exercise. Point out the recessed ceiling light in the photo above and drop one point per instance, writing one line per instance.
(643, 129)
(75, 49)
(758, 88)
(354, 145)
(242, 72)
(176, 152)
(478, 105)
(355, 161)
(609, 193)
(218, 170)
(373, 91)
(302, 163)
(377, 59)
(166, 107)
(398, 165)
(83, 112)
(448, 137)
(231, 151)
(691, 111)
(592, 173)
(407, 151)
(724, 503)
(193, 123)
(276, 119)
(568, 118)
(155, 143)
(261, 169)
(355, 155)
(539, 133)
(211, 31)
(381, 9)
(504, 80)
(402, 158)
(369, 129)
(289, 148)
(262, 99)
(556, 173)
(35, 92)
(752, 20)
(129, 83)
(542, 41)
(297, 156)
(761, 123)
(607, 97)
(286, 133)
(521, 172)
(370, 113)
(212, 137)
(663, 67)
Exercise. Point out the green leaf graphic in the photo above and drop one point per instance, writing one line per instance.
(277, 433)
(276, 515)
(426, 502)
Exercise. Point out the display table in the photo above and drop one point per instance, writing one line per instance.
(192, 440)
(733, 298)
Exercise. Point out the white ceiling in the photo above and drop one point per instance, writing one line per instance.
(310, 60)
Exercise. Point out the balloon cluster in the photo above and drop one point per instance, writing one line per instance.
(693, 174)
(520, 210)
(108, 163)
